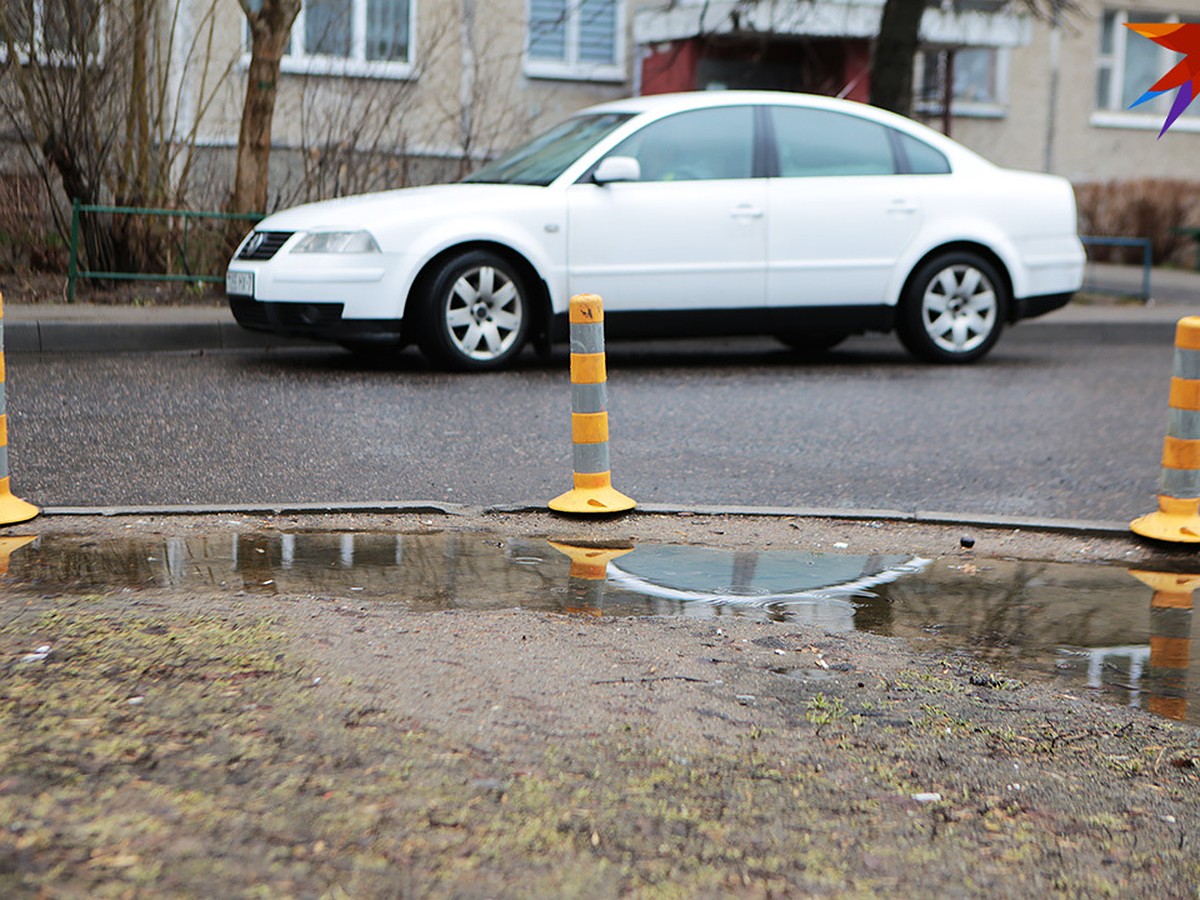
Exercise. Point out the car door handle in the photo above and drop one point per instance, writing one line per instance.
(906, 207)
(746, 211)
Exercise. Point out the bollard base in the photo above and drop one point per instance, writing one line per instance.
(14, 509)
(592, 500)
(1177, 521)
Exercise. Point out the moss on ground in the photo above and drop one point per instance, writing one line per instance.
(158, 754)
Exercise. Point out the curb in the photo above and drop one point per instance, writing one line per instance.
(918, 517)
(124, 337)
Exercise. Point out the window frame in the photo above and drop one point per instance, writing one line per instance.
(571, 68)
(1114, 114)
(356, 64)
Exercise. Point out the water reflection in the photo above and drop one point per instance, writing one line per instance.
(8, 546)
(1170, 651)
(1092, 628)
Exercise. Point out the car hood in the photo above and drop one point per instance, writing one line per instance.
(383, 208)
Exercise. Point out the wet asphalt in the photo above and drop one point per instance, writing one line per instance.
(1062, 421)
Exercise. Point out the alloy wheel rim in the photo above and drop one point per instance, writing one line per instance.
(958, 309)
(483, 313)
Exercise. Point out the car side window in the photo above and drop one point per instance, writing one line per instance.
(700, 145)
(815, 142)
(922, 159)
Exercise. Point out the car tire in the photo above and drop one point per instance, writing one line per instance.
(953, 309)
(476, 313)
(811, 343)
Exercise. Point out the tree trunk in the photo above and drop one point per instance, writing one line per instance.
(895, 50)
(270, 28)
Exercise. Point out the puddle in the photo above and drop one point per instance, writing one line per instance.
(1125, 634)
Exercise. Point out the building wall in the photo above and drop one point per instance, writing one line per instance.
(468, 95)
(1086, 146)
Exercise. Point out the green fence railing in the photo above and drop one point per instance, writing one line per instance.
(74, 272)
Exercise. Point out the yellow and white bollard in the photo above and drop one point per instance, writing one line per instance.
(593, 491)
(12, 509)
(1178, 515)
(1170, 640)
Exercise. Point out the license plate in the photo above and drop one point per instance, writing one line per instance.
(241, 283)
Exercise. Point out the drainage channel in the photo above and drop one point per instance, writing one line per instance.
(1126, 634)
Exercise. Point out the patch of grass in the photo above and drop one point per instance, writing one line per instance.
(235, 772)
(822, 711)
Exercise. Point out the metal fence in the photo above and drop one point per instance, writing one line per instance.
(1147, 259)
(187, 215)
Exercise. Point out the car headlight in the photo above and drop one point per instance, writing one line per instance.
(337, 242)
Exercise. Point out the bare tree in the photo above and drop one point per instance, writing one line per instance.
(367, 134)
(485, 114)
(351, 140)
(895, 50)
(90, 89)
(270, 30)
(899, 39)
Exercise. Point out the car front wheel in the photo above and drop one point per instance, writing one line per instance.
(953, 309)
(476, 313)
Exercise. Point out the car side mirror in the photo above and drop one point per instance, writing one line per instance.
(617, 168)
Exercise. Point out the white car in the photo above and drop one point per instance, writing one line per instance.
(712, 213)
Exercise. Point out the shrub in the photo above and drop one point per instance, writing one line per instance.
(1143, 208)
(28, 240)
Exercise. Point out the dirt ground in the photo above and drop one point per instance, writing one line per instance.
(159, 743)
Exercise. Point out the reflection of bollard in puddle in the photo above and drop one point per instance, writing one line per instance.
(589, 570)
(12, 508)
(1170, 640)
(8, 546)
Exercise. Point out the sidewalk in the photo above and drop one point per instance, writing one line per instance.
(89, 328)
(82, 327)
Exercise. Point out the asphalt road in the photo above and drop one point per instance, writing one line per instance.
(1062, 421)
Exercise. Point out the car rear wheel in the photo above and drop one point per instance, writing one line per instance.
(476, 313)
(953, 309)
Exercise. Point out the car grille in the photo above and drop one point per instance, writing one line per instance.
(264, 244)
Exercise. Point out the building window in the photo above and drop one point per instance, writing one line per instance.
(59, 32)
(980, 81)
(1127, 65)
(353, 37)
(580, 39)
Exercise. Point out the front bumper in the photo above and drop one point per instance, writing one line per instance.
(319, 321)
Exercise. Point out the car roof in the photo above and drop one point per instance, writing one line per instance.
(665, 104)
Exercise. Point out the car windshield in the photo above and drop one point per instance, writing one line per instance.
(546, 157)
